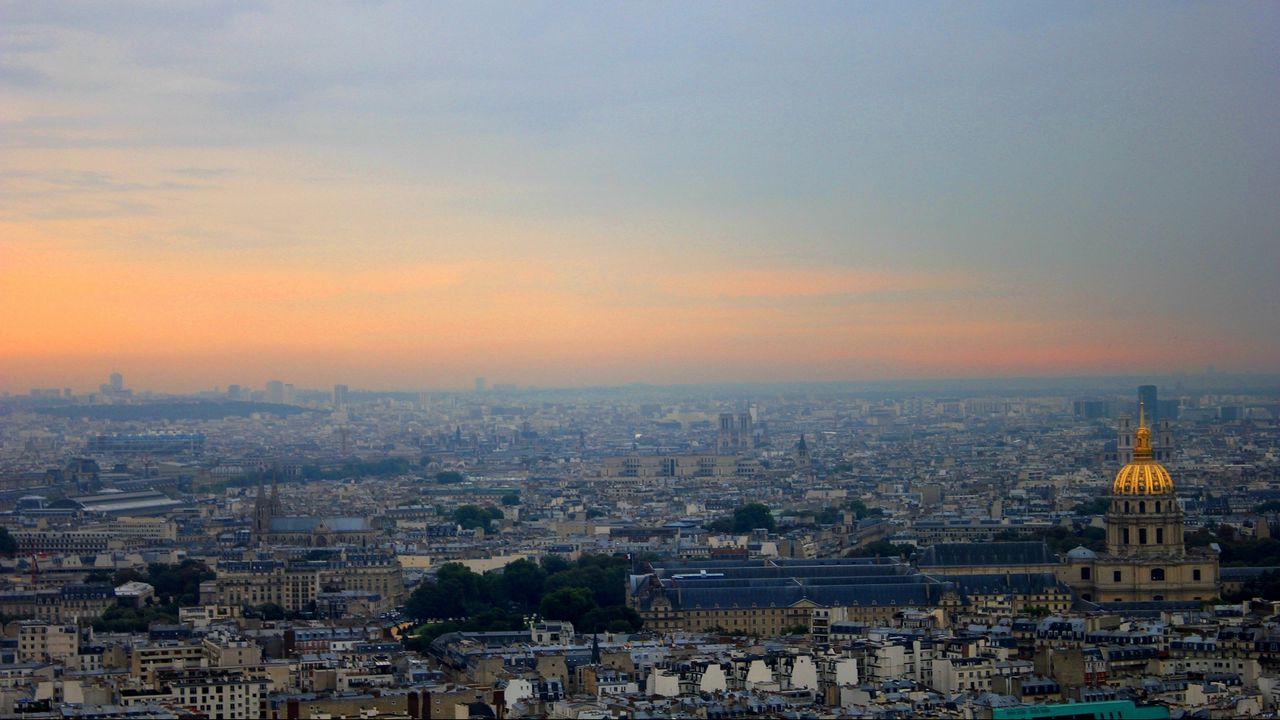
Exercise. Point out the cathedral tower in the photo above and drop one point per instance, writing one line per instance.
(1146, 559)
(1144, 518)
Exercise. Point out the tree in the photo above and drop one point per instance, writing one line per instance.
(455, 593)
(860, 509)
(127, 575)
(179, 583)
(1096, 506)
(752, 516)
(511, 499)
(449, 477)
(553, 564)
(1265, 586)
(616, 618)
(1269, 506)
(99, 577)
(270, 611)
(882, 548)
(570, 604)
(522, 584)
(605, 576)
(8, 545)
(471, 517)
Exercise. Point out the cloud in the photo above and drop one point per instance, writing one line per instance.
(863, 188)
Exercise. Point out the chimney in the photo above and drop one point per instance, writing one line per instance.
(500, 704)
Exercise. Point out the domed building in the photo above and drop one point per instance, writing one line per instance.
(1146, 558)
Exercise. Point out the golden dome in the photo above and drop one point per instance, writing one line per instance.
(1143, 476)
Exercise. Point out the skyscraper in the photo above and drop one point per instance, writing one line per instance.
(275, 392)
(1162, 435)
(339, 396)
(1147, 398)
(117, 382)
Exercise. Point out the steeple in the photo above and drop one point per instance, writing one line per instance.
(261, 509)
(274, 508)
(1142, 438)
(803, 459)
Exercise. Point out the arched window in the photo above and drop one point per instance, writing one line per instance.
(1126, 506)
(1157, 574)
(1142, 506)
(1157, 506)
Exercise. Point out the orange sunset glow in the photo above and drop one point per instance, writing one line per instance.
(394, 214)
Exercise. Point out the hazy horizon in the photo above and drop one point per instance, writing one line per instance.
(1211, 380)
(401, 195)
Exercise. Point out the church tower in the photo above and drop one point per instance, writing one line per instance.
(1145, 518)
(265, 507)
(1146, 559)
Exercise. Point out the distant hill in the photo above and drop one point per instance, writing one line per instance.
(189, 410)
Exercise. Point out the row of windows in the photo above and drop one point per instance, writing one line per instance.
(1142, 536)
(1142, 506)
(1157, 574)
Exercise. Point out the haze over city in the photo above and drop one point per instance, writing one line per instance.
(638, 360)
(402, 195)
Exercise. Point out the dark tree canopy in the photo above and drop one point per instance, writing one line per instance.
(555, 588)
(471, 517)
(745, 519)
(8, 545)
(568, 603)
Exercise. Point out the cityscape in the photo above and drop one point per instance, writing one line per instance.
(804, 360)
(642, 551)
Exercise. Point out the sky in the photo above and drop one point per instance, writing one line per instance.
(401, 195)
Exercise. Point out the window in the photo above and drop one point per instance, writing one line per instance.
(1142, 506)
(1159, 536)
(1115, 576)
(1157, 506)
(1084, 573)
(1157, 574)
(1195, 574)
(1142, 536)
(1126, 536)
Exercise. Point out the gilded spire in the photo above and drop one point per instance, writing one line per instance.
(1142, 476)
(1142, 438)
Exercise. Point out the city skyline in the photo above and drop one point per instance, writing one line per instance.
(405, 197)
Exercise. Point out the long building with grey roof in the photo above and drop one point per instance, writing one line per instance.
(773, 596)
(769, 597)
